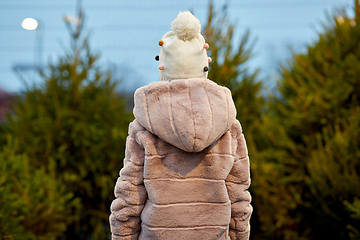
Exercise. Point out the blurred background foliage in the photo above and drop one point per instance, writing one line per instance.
(62, 145)
(311, 150)
(33, 204)
(72, 130)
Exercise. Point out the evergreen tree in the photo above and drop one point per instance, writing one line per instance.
(74, 126)
(33, 204)
(309, 161)
(229, 65)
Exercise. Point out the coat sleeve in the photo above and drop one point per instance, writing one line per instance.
(237, 183)
(129, 190)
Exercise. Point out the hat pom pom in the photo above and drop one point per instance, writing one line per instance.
(186, 26)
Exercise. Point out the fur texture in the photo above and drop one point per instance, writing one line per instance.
(186, 168)
(186, 26)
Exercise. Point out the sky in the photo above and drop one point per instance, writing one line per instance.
(126, 33)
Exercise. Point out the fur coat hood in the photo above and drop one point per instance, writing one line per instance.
(189, 114)
(186, 167)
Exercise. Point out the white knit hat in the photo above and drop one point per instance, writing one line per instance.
(183, 50)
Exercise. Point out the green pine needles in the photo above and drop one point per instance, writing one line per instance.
(72, 129)
(306, 172)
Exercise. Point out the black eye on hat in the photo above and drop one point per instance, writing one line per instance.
(157, 57)
(206, 69)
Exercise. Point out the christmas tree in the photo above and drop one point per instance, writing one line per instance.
(307, 169)
(229, 65)
(74, 126)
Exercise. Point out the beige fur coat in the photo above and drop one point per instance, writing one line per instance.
(186, 167)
